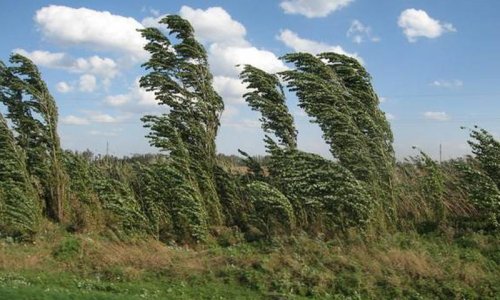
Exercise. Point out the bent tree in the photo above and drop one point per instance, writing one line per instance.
(325, 195)
(180, 78)
(33, 114)
(20, 210)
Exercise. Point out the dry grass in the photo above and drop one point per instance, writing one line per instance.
(293, 264)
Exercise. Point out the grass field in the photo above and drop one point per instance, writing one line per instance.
(441, 265)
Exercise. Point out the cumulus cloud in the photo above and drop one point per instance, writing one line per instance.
(45, 58)
(456, 83)
(228, 47)
(64, 87)
(153, 21)
(224, 59)
(436, 115)
(215, 25)
(231, 89)
(137, 100)
(87, 83)
(295, 42)
(417, 23)
(358, 32)
(96, 65)
(98, 30)
(313, 8)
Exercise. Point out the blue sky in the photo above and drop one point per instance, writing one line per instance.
(434, 63)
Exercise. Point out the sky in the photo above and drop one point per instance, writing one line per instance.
(434, 64)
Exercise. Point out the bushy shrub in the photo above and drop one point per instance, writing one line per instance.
(272, 212)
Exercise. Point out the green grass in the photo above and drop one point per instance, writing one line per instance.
(444, 265)
(66, 286)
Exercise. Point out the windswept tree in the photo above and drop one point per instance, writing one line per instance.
(180, 78)
(20, 210)
(335, 91)
(325, 196)
(266, 95)
(481, 177)
(33, 113)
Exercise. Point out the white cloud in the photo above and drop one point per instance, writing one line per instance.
(153, 21)
(87, 83)
(437, 115)
(417, 23)
(456, 83)
(294, 41)
(98, 30)
(63, 87)
(227, 44)
(313, 8)
(390, 116)
(94, 117)
(45, 58)
(100, 117)
(223, 59)
(74, 120)
(359, 32)
(231, 89)
(215, 25)
(103, 67)
(382, 99)
(136, 100)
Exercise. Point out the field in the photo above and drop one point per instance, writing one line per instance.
(61, 266)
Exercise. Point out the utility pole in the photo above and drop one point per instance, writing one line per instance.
(107, 148)
(440, 153)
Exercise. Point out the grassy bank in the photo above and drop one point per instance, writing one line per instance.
(442, 265)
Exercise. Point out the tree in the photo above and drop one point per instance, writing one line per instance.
(180, 78)
(324, 195)
(33, 113)
(20, 210)
(335, 91)
(266, 96)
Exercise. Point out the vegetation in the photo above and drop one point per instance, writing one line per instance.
(290, 224)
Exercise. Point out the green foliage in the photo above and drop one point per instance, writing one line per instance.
(68, 249)
(484, 195)
(180, 77)
(229, 189)
(431, 184)
(481, 177)
(272, 212)
(33, 113)
(266, 96)
(100, 199)
(335, 91)
(326, 196)
(151, 189)
(123, 212)
(20, 210)
(487, 151)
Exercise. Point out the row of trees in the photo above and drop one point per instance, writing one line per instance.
(188, 191)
